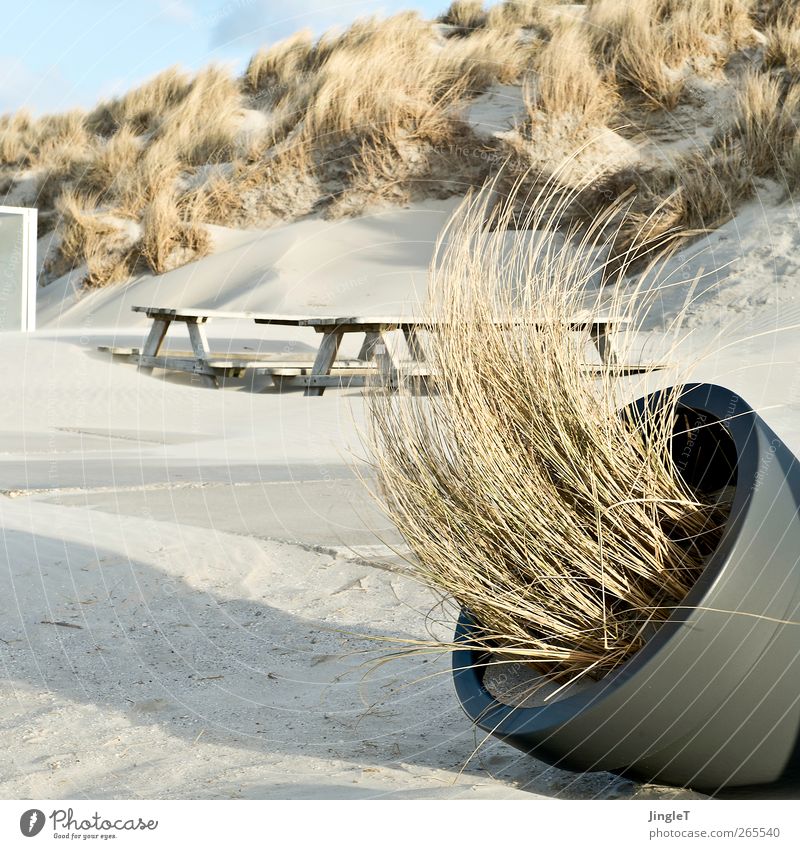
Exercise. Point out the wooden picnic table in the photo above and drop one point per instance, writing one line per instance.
(374, 328)
(374, 349)
(202, 361)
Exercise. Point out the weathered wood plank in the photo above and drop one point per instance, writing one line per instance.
(367, 350)
(353, 324)
(326, 356)
(118, 351)
(193, 366)
(202, 352)
(194, 313)
(154, 340)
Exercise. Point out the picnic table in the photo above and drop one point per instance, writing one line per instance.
(326, 369)
(210, 366)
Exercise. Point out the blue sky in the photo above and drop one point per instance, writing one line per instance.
(59, 54)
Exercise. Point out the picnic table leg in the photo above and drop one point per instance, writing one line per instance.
(371, 339)
(155, 339)
(601, 336)
(201, 350)
(386, 364)
(326, 356)
(415, 347)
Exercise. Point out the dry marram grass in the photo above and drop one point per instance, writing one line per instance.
(168, 239)
(576, 87)
(377, 113)
(522, 492)
(87, 237)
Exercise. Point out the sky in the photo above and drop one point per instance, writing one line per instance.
(62, 54)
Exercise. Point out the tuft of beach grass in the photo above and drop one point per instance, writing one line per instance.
(561, 525)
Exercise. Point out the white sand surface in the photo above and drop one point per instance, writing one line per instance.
(366, 265)
(191, 576)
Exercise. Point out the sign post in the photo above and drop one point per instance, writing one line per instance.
(17, 268)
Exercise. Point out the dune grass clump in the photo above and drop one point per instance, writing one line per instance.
(143, 108)
(202, 127)
(522, 492)
(467, 15)
(112, 159)
(88, 237)
(783, 41)
(637, 44)
(273, 71)
(168, 239)
(521, 13)
(765, 121)
(577, 87)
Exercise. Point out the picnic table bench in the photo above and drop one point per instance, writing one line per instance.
(326, 369)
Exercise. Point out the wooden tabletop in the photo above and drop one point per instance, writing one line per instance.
(358, 322)
(182, 314)
(401, 323)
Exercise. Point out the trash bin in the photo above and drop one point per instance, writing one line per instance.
(712, 700)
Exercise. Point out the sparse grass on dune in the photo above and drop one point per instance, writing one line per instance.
(168, 239)
(578, 87)
(89, 238)
(386, 102)
(521, 491)
(465, 14)
(783, 41)
(376, 113)
(765, 123)
(658, 209)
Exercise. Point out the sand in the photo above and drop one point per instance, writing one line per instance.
(194, 579)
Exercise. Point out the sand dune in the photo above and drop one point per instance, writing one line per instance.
(191, 574)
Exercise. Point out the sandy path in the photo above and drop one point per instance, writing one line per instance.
(191, 578)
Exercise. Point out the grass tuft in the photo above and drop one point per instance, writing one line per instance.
(168, 240)
(521, 491)
(467, 15)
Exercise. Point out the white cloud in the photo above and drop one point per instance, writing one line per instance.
(258, 21)
(23, 87)
(177, 10)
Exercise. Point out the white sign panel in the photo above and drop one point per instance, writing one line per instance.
(17, 268)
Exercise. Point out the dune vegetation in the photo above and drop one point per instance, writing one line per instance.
(564, 527)
(679, 107)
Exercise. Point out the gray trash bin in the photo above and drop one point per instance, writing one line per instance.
(713, 698)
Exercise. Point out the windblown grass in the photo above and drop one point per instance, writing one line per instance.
(142, 109)
(637, 44)
(87, 237)
(273, 72)
(522, 492)
(765, 123)
(783, 41)
(168, 239)
(577, 87)
(466, 14)
(660, 209)
(521, 13)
